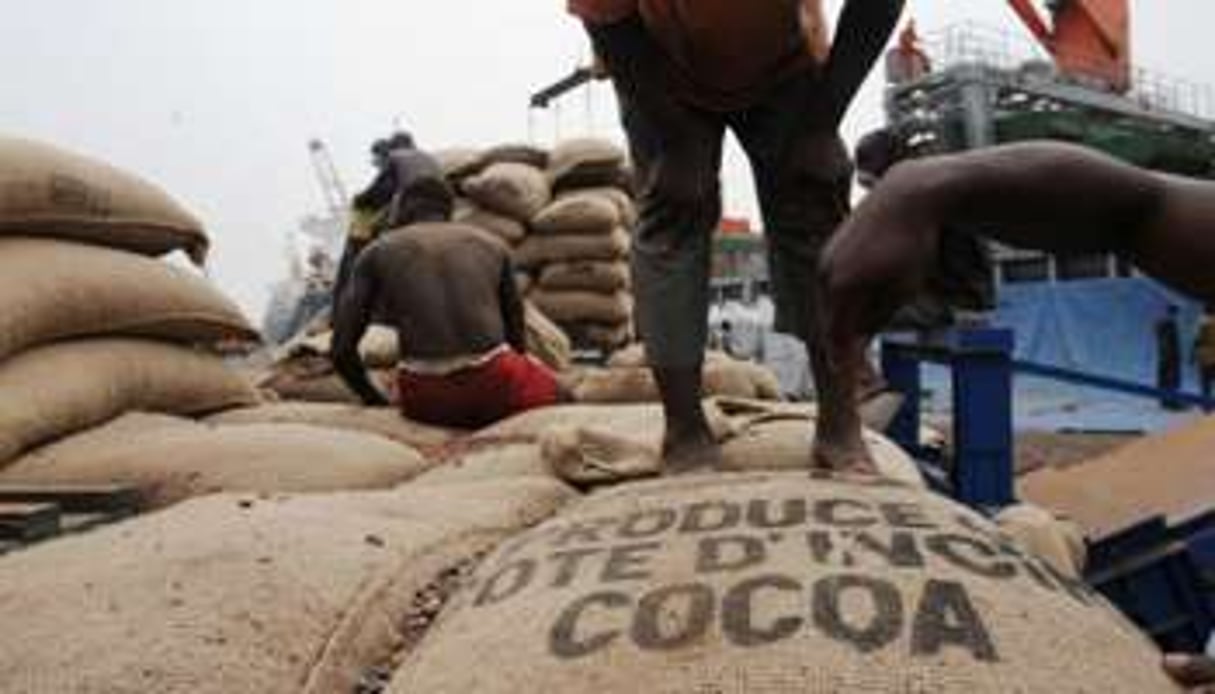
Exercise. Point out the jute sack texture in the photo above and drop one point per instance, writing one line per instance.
(518, 191)
(51, 290)
(236, 594)
(508, 230)
(579, 214)
(540, 250)
(583, 306)
(754, 436)
(172, 462)
(583, 161)
(721, 377)
(775, 583)
(50, 192)
(591, 276)
(385, 422)
(54, 391)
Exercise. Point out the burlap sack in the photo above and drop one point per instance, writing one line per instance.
(578, 214)
(381, 421)
(581, 306)
(769, 438)
(289, 385)
(625, 207)
(504, 228)
(516, 153)
(586, 457)
(589, 160)
(591, 276)
(239, 595)
(775, 583)
(51, 290)
(483, 460)
(539, 250)
(378, 348)
(515, 190)
(458, 163)
(50, 392)
(171, 463)
(753, 435)
(640, 423)
(636, 384)
(49, 192)
(545, 340)
(1056, 540)
(608, 337)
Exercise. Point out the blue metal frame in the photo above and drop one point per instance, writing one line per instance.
(980, 363)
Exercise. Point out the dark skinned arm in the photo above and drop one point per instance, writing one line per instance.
(864, 30)
(350, 254)
(512, 308)
(350, 323)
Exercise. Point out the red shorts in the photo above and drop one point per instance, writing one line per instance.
(472, 398)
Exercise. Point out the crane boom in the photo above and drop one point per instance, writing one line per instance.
(1086, 38)
(327, 175)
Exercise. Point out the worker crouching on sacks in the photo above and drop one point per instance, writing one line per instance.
(449, 291)
(685, 71)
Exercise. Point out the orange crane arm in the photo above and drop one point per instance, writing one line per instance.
(1030, 17)
(1109, 22)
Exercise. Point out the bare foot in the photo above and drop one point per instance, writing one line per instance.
(854, 460)
(695, 453)
(1195, 671)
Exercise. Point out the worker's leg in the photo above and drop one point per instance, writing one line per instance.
(803, 180)
(676, 152)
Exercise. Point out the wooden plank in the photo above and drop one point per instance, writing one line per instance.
(28, 522)
(102, 498)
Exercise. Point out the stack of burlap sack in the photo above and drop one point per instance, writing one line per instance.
(92, 324)
(109, 354)
(567, 215)
(579, 246)
(758, 581)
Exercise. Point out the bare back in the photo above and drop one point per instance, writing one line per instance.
(439, 285)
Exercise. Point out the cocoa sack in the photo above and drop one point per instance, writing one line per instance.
(46, 191)
(182, 459)
(234, 594)
(515, 190)
(775, 583)
(54, 391)
(51, 290)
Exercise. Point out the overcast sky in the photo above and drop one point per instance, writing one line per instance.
(216, 100)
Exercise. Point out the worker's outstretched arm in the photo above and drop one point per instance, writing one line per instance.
(351, 319)
(863, 31)
(512, 309)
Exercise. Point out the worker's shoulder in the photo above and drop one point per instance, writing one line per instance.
(441, 236)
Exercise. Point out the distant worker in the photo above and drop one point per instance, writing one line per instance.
(685, 71)
(1204, 353)
(400, 168)
(449, 291)
(907, 61)
(1046, 196)
(1168, 358)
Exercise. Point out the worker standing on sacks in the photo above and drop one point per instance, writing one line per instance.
(399, 165)
(449, 291)
(684, 72)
